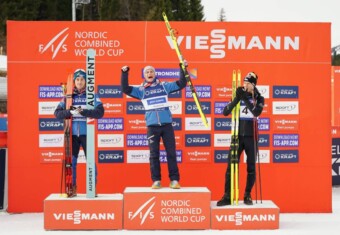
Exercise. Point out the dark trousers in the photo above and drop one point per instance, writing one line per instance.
(154, 134)
(78, 141)
(247, 144)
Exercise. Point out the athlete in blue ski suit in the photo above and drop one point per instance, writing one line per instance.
(154, 95)
(79, 116)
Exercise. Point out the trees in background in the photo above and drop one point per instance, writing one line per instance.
(113, 10)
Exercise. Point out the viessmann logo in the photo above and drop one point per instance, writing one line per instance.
(78, 216)
(218, 42)
(56, 44)
(239, 218)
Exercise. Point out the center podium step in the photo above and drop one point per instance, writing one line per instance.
(166, 208)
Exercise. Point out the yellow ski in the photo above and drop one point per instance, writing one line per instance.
(234, 141)
(187, 76)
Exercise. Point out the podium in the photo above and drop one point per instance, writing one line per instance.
(263, 215)
(81, 213)
(166, 208)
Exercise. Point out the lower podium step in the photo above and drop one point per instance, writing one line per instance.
(165, 208)
(78, 213)
(263, 215)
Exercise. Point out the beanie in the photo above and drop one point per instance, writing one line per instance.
(79, 73)
(251, 77)
(149, 67)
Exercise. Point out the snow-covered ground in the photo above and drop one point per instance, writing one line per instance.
(290, 224)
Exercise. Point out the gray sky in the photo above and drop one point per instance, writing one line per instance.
(278, 11)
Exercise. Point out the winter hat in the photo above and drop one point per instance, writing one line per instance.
(148, 67)
(252, 78)
(79, 73)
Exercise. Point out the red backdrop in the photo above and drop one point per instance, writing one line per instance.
(293, 67)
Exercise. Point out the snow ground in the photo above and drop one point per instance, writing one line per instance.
(290, 224)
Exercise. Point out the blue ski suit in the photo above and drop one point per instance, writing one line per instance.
(158, 120)
(79, 124)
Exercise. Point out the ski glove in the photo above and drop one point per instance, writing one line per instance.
(74, 112)
(256, 92)
(125, 69)
(240, 93)
(227, 110)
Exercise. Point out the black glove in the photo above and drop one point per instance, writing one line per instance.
(125, 69)
(226, 110)
(240, 93)
(256, 92)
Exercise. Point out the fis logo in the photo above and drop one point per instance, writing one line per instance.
(56, 44)
(142, 213)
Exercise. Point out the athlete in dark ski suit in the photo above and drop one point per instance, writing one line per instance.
(154, 95)
(251, 107)
(79, 116)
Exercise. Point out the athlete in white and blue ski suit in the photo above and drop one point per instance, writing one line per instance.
(154, 95)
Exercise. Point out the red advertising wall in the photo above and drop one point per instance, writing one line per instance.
(293, 68)
(335, 102)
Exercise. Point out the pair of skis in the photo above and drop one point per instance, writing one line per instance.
(233, 152)
(66, 175)
(187, 76)
(66, 171)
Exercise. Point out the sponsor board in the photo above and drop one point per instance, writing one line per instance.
(51, 155)
(112, 106)
(50, 92)
(201, 155)
(285, 107)
(264, 90)
(193, 140)
(191, 108)
(110, 156)
(201, 91)
(110, 140)
(288, 92)
(51, 124)
(175, 107)
(51, 140)
(223, 92)
(221, 156)
(196, 124)
(137, 156)
(264, 124)
(109, 91)
(47, 107)
(222, 140)
(285, 140)
(110, 124)
(222, 124)
(286, 124)
(219, 106)
(286, 156)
